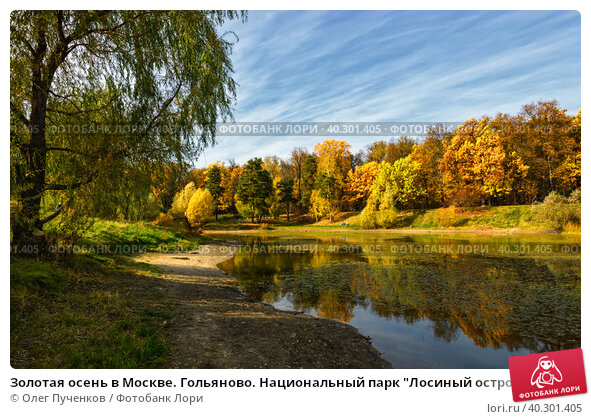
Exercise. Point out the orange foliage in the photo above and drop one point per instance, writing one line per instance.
(358, 183)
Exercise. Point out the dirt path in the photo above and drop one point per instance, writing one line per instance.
(214, 325)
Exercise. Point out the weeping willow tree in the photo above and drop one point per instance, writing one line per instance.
(95, 94)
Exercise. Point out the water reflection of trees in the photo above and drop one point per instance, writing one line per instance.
(511, 302)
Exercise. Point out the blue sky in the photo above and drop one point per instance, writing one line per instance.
(395, 66)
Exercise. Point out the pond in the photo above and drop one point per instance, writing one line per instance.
(426, 301)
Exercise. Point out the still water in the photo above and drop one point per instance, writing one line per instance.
(427, 301)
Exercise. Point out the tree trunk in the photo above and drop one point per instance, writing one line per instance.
(27, 229)
(288, 212)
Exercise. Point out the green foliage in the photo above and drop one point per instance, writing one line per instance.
(325, 198)
(285, 191)
(254, 189)
(285, 194)
(368, 217)
(387, 218)
(201, 208)
(396, 186)
(245, 210)
(309, 169)
(213, 183)
(103, 89)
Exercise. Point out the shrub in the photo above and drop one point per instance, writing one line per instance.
(446, 217)
(558, 212)
(368, 217)
(201, 208)
(387, 218)
(164, 220)
(554, 198)
(575, 197)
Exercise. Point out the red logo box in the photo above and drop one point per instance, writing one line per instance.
(548, 374)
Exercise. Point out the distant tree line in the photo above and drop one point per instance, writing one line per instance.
(488, 161)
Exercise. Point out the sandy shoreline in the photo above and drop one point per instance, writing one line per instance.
(214, 325)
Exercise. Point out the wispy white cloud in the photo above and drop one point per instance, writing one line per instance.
(395, 66)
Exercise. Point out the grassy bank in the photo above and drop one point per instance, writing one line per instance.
(141, 234)
(92, 310)
(512, 216)
(521, 217)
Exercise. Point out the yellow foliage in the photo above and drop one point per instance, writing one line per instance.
(334, 158)
(181, 201)
(201, 208)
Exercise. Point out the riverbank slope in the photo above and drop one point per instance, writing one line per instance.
(214, 325)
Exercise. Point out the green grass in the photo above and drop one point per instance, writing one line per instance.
(86, 311)
(510, 216)
(94, 310)
(89, 310)
(130, 236)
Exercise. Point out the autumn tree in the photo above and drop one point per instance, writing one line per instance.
(97, 74)
(334, 158)
(254, 188)
(380, 151)
(358, 184)
(272, 165)
(549, 142)
(325, 200)
(428, 155)
(297, 160)
(479, 164)
(399, 149)
(377, 151)
(198, 176)
(358, 159)
(201, 208)
(181, 200)
(397, 185)
(166, 180)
